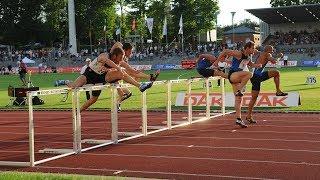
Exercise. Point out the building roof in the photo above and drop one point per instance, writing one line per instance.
(288, 14)
(241, 30)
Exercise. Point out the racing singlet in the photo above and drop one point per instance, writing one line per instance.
(96, 66)
(203, 64)
(239, 64)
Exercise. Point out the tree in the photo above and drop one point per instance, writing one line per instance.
(279, 3)
(21, 21)
(198, 16)
(158, 10)
(91, 16)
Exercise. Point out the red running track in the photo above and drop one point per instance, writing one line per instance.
(280, 146)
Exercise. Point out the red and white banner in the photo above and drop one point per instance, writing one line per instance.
(78, 69)
(281, 64)
(264, 99)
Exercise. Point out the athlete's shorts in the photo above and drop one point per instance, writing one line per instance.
(206, 72)
(257, 79)
(94, 78)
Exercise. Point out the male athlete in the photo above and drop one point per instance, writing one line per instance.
(259, 75)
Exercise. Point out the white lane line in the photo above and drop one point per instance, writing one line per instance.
(228, 147)
(63, 121)
(152, 172)
(198, 137)
(208, 159)
(194, 146)
(253, 139)
(275, 132)
(117, 172)
(177, 129)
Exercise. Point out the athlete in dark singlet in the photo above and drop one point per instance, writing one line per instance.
(204, 66)
(259, 75)
(237, 77)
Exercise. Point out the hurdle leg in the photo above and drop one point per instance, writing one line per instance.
(223, 97)
(31, 131)
(207, 99)
(144, 114)
(189, 102)
(78, 124)
(169, 115)
(114, 115)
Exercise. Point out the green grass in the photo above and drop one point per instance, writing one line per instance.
(292, 79)
(12, 175)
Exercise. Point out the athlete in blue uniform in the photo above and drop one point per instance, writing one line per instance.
(259, 75)
(237, 77)
(204, 66)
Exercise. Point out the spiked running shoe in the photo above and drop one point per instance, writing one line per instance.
(153, 77)
(241, 123)
(144, 86)
(238, 93)
(118, 107)
(250, 120)
(126, 96)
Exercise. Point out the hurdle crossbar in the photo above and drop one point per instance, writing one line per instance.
(77, 148)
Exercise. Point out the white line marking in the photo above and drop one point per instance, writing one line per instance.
(234, 130)
(209, 159)
(214, 137)
(117, 172)
(190, 146)
(228, 147)
(153, 172)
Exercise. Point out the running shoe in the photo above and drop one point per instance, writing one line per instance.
(241, 123)
(144, 86)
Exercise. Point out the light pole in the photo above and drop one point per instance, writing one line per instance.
(232, 14)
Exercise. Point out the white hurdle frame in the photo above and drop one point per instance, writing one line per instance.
(77, 148)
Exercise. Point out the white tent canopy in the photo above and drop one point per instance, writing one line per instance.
(27, 60)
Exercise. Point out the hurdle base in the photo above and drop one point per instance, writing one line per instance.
(175, 122)
(55, 151)
(95, 141)
(155, 127)
(14, 163)
(193, 118)
(211, 114)
(129, 133)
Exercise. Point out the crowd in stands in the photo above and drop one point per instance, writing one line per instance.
(296, 38)
(307, 43)
(297, 42)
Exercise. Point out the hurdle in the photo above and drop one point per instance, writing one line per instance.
(169, 124)
(114, 119)
(145, 129)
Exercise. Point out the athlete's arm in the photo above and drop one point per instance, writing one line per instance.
(225, 53)
(272, 59)
(128, 67)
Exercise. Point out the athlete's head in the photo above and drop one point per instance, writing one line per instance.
(249, 48)
(116, 45)
(127, 47)
(117, 55)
